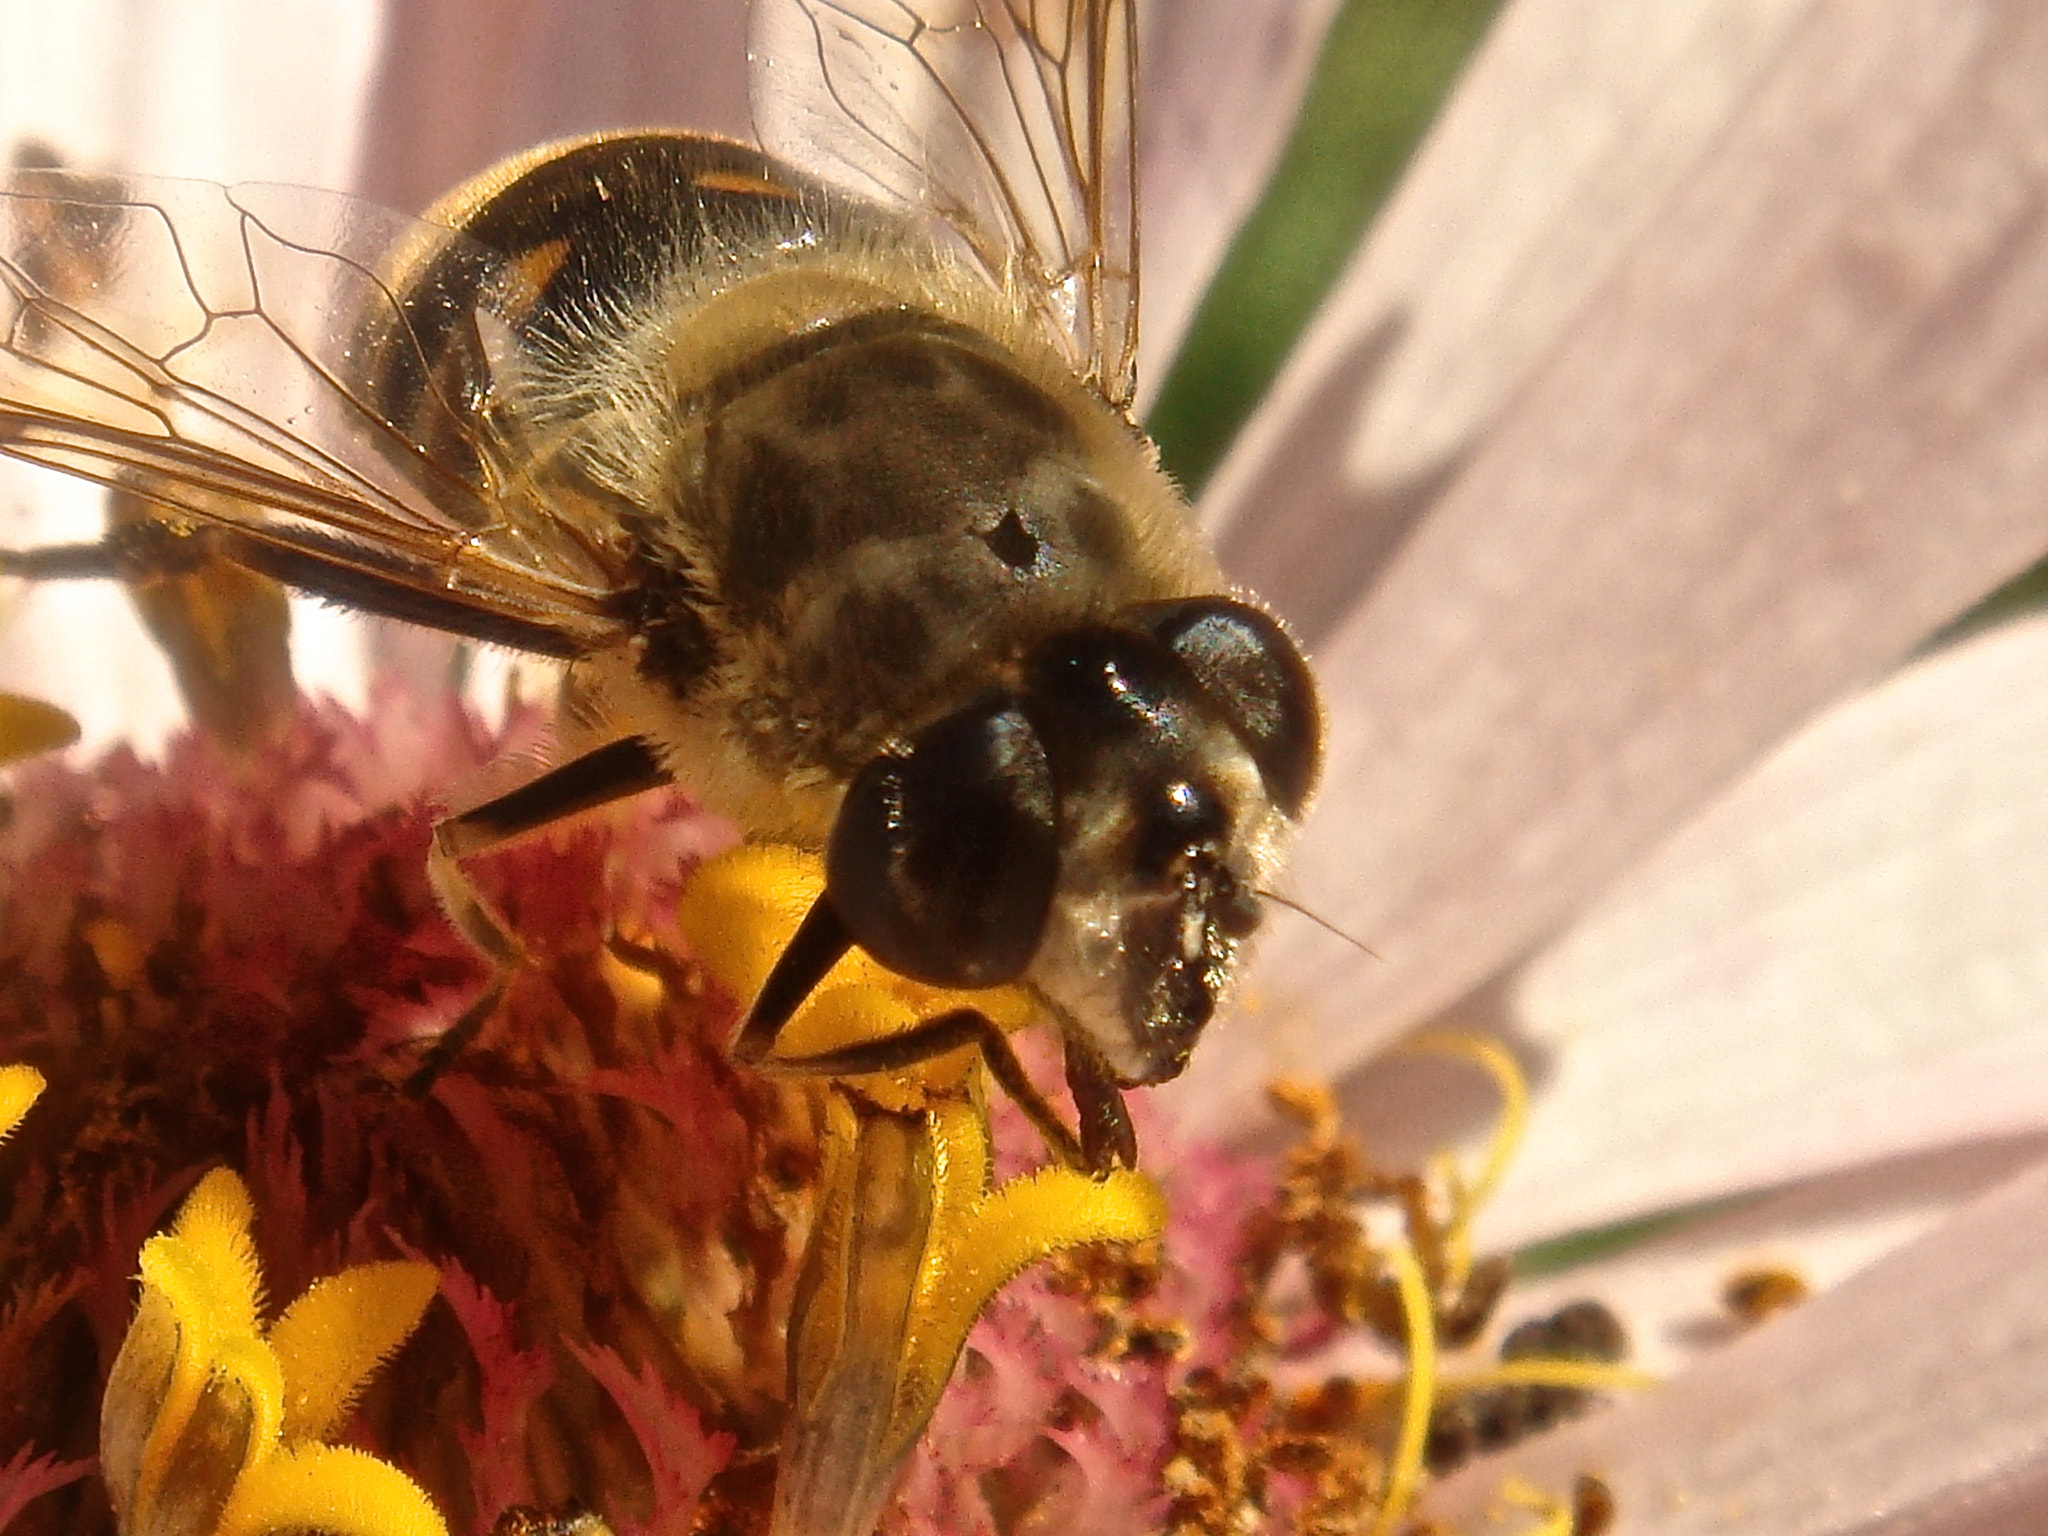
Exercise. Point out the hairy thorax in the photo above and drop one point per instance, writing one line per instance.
(865, 524)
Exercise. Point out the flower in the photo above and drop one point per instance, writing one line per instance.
(1687, 384)
(215, 1423)
(911, 1241)
(662, 1277)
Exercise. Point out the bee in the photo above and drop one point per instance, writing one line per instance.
(814, 466)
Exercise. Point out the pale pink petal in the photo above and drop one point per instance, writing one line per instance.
(1845, 958)
(461, 84)
(1574, 124)
(1912, 1394)
(1667, 1289)
(1800, 421)
(1222, 81)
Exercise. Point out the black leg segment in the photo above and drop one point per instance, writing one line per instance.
(611, 772)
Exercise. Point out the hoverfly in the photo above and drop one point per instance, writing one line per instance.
(815, 468)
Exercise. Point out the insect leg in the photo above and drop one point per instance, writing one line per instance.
(350, 574)
(65, 562)
(136, 549)
(921, 1043)
(1107, 1137)
(820, 939)
(610, 772)
(812, 951)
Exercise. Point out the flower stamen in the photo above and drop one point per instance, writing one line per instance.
(1467, 1195)
(1418, 1394)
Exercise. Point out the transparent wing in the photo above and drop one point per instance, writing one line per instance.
(1010, 119)
(240, 357)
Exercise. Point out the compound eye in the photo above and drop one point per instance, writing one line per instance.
(943, 859)
(1251, 671)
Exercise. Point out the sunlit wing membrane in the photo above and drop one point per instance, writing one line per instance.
(1010, 119)
(212, 349)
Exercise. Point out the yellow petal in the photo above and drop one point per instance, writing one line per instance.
(195, 1394)
(29, 726)
(1028, 1219)
(331, 1338)
(213, 1224)
(334, 1490)
(137, 1385)
(193, 1427)
(246, 1376)
(961, 1160)
(852, 1314)
(19, 1087)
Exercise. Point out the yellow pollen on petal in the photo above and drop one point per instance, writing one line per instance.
(739, 912)
(19, 1088)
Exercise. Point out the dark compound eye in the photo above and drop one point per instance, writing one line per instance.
(1252, 672)
(942, 861)
(1100, 693)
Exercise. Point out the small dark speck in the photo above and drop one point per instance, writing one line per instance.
(1012, 543)
(36, 155)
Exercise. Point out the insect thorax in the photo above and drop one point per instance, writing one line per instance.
(890, 513)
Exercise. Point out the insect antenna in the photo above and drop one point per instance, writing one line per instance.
(1320, 921)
